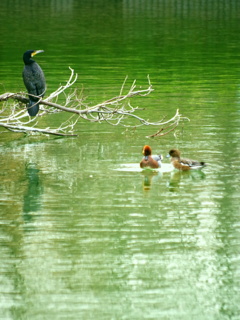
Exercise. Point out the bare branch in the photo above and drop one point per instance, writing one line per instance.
(25, 129)
(115, 111)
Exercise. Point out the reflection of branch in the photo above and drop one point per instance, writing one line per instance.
(114, 111)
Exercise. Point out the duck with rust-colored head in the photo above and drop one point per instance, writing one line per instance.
(184, 164)
(149, 160)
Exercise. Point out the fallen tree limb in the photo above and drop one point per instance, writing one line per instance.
(24, 129)
(114, 111)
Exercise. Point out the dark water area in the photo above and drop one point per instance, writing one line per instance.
(80, 238)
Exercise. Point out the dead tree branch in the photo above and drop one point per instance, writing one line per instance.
(115, 111)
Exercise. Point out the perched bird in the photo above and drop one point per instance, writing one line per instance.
(149, 160)
(34, 80)
(184, 164)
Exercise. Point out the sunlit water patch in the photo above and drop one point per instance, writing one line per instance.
(134, 167)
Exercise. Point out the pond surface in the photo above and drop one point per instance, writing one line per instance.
(80, 236)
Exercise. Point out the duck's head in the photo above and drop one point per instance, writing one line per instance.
(174, 153)
(147, 151)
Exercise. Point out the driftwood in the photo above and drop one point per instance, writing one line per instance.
(114, 111)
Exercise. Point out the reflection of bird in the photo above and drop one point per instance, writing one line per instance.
(149, 160)
(184, 164)
(149, 177)
(32, 197)
(34, 81)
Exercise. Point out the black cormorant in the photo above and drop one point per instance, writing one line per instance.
(34, 80)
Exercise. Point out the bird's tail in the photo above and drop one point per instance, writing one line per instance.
(33, 108)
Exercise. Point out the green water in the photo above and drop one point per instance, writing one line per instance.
(80, 239)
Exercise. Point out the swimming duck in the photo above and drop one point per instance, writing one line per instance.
(149, 160)
(184, 164)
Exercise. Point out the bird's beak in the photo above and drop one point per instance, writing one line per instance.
(36, 52)
(168, 156)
